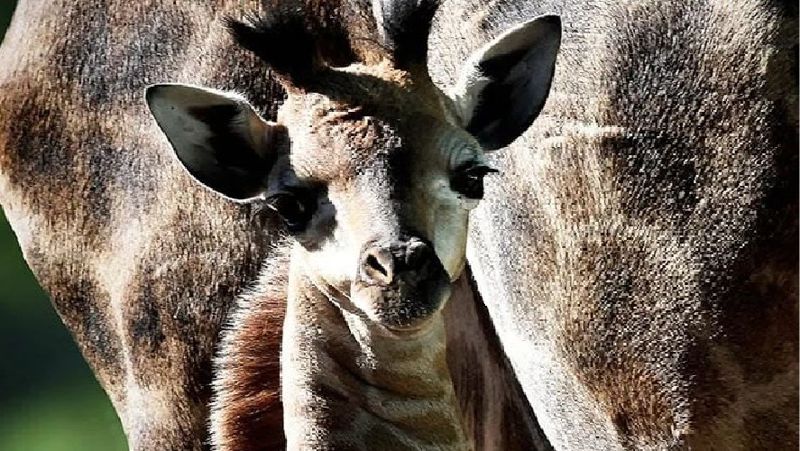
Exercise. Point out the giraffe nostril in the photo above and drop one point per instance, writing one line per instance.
(417, 253)
(378, 266)
(385, 263)
(372, 262)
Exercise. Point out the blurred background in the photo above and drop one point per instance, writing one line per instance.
(49, 399)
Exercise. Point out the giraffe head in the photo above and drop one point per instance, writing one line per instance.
(372, 168)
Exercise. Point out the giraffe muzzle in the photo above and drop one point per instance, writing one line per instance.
(401, 283)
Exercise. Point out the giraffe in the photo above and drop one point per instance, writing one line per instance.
(373, 170)
(642, 288)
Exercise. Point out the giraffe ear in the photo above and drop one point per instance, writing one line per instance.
(504, 85)
(218, 137)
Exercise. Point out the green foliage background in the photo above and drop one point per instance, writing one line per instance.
(49, 399)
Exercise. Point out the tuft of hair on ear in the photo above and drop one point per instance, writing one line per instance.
(405, 26)
(292, 42)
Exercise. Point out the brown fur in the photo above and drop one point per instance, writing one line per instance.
(247, 413)
(140, 263)
(644, 285)
(494, 407)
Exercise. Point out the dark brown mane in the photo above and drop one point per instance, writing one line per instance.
(247, 411)
(292, 42)
(296, 39)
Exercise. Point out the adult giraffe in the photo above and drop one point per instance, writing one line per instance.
(644, 285)
(127, 248)
(645, 289)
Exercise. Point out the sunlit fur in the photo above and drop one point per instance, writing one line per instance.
(639, 256)
(348, 381)
(383, 168)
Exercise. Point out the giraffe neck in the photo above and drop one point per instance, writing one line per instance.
(347, 383)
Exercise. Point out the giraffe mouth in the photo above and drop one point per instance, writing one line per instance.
(409, 332)
(400, 284)
(405, 307)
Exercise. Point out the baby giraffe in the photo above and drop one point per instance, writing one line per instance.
(373, 170)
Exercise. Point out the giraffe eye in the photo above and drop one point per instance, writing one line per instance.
(467, 179)
(295, 208)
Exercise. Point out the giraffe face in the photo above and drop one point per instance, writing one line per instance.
(378, 199)
(372, 167)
